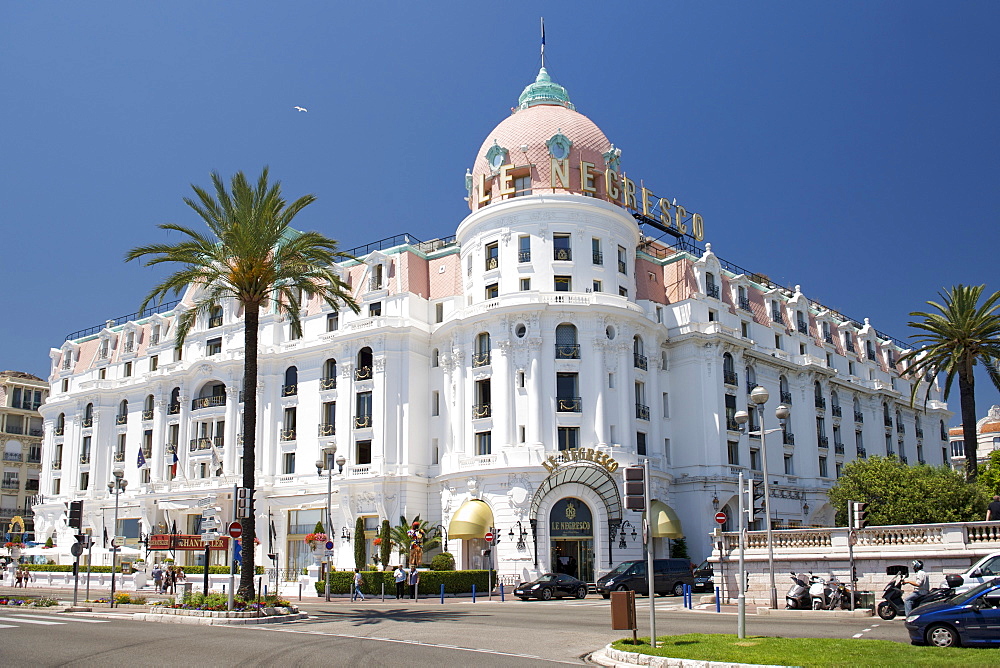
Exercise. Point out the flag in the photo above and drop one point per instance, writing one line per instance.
(105, 536)
(238, 553)
(173, 465)
(216, 461)
(142, 459)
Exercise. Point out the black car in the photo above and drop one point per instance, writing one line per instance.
(704, 577)
(551, 584)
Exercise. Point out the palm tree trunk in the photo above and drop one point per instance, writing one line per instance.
(250, 333)
(967, 397)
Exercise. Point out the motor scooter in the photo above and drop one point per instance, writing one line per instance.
(797, 597)
(841, 595)
(819, 592)
(892, 603)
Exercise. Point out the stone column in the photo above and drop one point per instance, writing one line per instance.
(229, 458)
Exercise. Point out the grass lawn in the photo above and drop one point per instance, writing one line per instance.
(808, 651)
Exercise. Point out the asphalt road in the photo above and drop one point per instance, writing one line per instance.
(458, 633)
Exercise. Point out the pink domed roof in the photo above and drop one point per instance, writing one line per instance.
(524, 135)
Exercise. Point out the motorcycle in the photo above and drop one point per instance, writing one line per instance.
(797, 597)
(819, 592)
(841, 595)
(892, 603)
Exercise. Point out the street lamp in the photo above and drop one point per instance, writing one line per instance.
(327, 463)
(759, 397)
(116, 487)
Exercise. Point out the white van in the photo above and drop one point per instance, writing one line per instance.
(985, 569)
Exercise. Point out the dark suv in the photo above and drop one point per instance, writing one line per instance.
(669, 577)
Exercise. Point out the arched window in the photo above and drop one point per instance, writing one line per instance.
(835, 403)
(147, 407)
(786, 395)
(711, 287)
(818, 395)
(482, 355)
(88, 416)
(329, 379)
(291, 386)
(567, 347)
(858, 415)
(364, 370)
(638, 355)
(751, 378)
(61, 424)
(886, 415)
(175, 402)
(729, 370)
(215, 317)
(122, 416)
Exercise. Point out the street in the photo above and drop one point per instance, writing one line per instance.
(372, 633)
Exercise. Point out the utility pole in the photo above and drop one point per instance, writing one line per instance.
(741, 601)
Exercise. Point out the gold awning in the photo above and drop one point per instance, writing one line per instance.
(472, 520)
(665, 523)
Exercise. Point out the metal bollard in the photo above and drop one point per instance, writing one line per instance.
(300, 591)
(383, 592)
(442, 594)
(473, 593)
(718, 600)
(501, 592)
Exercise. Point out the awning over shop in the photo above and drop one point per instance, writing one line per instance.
(472, 520)
(665, 523)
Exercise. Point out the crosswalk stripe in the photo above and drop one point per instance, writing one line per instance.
(29, 621)
(67, 618)
(7, 626)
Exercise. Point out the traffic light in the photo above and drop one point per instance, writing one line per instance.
(755, 500)
(635, 488)
(242, 503)
(859, 513)
(76, 515)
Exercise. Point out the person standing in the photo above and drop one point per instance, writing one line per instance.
(157, 578)
(414, 580)
(993, 510)
(400, 576)
(358, 582)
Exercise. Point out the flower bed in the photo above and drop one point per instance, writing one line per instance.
(43, 602)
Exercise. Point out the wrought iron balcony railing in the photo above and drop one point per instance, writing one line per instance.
(480, 359)
(524, 256)
(362, 421)
(57, 465)
(121, 419)
(215, 321)
(639, 361)
(802, 328)
(208, 402)
(119, 456)
(622, 269)
(730, 378)
(568, 351)
(919, 432)
(85, 458)
(289, 390)
(828, 338)
(328, 383)
(197, 444)
(745, 303)
(562, 254)
(569, 405)
(598, 257)
(712, 291)
(327, 429)
(363, 373)
(788, 438)
(836, 410)
(491, 263)
(287, 434)
(786, 397)
(88, 422)
(641, 412)
(147, 414)
(838, 448)
(732, 424)
(173, 409)
(820, 402)
(861, 452)
(900, 428)
(887, 421)
(823, 441)
(859, 416)
(480, 411)
(59, 431)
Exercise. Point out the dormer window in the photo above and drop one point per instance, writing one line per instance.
(870, 350)
(711, 287)
(375, 283)
(801, 322)
(776, 311)
(215, 317)
(154, 338)
(496, 156)
(129, 342)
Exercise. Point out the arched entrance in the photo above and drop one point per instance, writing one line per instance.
(571, 530)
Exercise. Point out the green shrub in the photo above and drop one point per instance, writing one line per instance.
(443, 562)
(455, 582)
(65, 568)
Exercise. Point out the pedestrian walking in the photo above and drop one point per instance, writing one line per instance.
(414, 580)
(169, 581)
(358, 582)
(157, 578)
(28, 577)
(18, 577)
(399, 575)
(993, 510)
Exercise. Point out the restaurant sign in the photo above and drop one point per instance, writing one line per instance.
(167, 541)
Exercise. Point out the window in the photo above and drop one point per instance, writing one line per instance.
(801, 323)
(483, 406)
(755, 459)
(484, 443)
(291, 386)
(213, 347)
(215, 317)
(524, 248)
(711, 287)
(713, 315)
(288, 424)
(568, 393)
(522, 186)
(622, 259)
(733, 449)
(363, 412)
(154, 337)
(364, 367)
(789, 465)
(521, 433)
(666, 405)
(823, 473)
(561, 247)
(329, 379)
(525, 284)
(56, 486)
(102, 374)
(481, 357)
(659, 314)
(567, 347)
(641, 409)
(288, 463)
(333, 321)
(154, 362)
(435, 358)
(569, 437)
(638, 353)
(329, 425)
(492, 256)
(84, 481)
(595, 248)
(375, 282)
(435, 452)
(640, 443)
(493, 291)
(374, 309)
(363, 452)
(776, 311)
(777, 341)
(729, 376)
(128, 370)
(439, 312)
(65, 384)
(563, 283)
(622, 292)
(598, 286)
(435, 403)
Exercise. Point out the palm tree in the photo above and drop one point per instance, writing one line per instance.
(952, 341)
(252, 256)
(399, 537)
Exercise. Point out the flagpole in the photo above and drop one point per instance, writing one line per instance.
(543, 41)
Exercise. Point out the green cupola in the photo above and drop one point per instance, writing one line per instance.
(544, 91)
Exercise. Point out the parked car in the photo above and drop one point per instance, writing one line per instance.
(669, 577)
(982, 571)
(969, 618)
(704, 577)
(551, 585)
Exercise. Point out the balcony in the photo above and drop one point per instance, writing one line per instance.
(198, 444)
(786, 397)
(363, 422)
(568, 352)
(119, 456)
(598, 258)
(639, 361)
(287, 435)
(712, 291)
(788, 438)
(374, 284)
(838, 448)
(31, 485)
(57, 465)
(776, 317)
(147, 415)
(802, 328)
(887, 421)
(173, 409)
(147, 452)
(121, 419)
(491, 263)
(642, 412)
(871, 355)
(215, 322)
(828, 338)
(820, 402)
(823, 441)
(859, 416)
(745, 303)
(480, 359)
(363, 373)
(326, 429)
(480, 411)
(328, 383)
(836, 410)
(88, 422)
(11, 484)
(732, 424)
(919, 432)
(750, 385)
(562, 254)
(13, 457)
(34, 458)
(569, 405)
(524, 256)
(900, 428)
(85, 458)
(621, 267)
(730, 378)
(861, 452)
(849, 345)
(170, 448)
(208, 402)
(59, 431)
(154, 339)
(289, 390)
(753, 430)
(14, 429)
(65, 364)
(903, 459)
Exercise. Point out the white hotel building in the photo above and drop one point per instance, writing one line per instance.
(549, 322)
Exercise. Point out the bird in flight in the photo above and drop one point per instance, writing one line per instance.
(297, 108)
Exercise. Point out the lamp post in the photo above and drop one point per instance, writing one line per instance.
(759, 397)
(116, 487)
(741, 417)
(327, 463)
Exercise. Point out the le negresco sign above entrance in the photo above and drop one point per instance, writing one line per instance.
(553, 462)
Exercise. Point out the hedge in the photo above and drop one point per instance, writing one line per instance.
(455, 582)
(188, 570)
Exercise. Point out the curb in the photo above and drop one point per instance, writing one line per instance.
(616, 658)
(814, 614)
(216, 621)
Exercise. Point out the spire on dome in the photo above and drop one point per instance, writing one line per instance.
(544, 91)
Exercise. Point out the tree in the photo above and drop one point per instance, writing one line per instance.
(952, 341)
(989, 477)
(252, 256)
(360, 545)
(385, 548)
(402, 540)
(901, 494)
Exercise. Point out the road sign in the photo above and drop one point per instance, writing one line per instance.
(720, 518)
(489, 536)
(118, 541)
(207, 501)
(76, 549)
(328, 553)
(235, 530)
(329, 545)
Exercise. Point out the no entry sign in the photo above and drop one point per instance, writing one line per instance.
(489, 536)
(720, 518)
(235, 530)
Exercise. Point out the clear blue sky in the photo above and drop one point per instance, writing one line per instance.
(850, 147)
